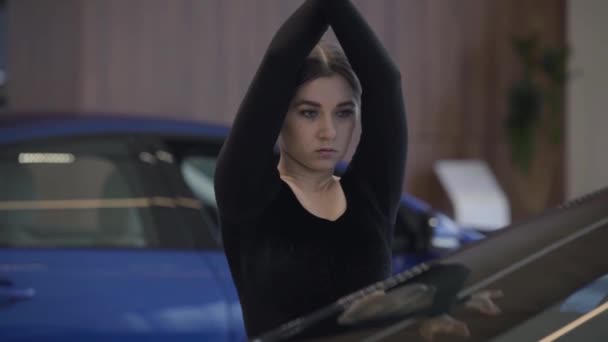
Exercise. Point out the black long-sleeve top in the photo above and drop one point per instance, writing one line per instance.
(285, 261)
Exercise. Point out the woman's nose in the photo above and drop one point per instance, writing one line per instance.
(327, 129)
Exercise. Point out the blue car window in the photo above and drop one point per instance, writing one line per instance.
(87, 195)
(198, 172)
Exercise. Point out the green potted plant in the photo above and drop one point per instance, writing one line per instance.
(535, 100)
(535, 107)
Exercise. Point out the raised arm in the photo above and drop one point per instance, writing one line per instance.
(379, 160)
(246, 176)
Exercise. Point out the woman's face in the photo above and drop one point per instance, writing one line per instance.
(320, 123)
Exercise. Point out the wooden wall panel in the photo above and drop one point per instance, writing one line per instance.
(194, 59)
(44, 60)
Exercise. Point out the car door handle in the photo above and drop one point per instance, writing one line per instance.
(8, 292)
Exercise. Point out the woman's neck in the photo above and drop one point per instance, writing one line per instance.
(306, 179)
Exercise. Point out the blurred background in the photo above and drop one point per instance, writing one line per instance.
(517, 84)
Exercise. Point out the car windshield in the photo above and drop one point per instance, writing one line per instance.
(89, 194)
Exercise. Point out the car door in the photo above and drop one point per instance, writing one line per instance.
(92, 246)
(189, 172)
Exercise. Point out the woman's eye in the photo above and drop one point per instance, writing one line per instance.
(308, 113)
(345, 113)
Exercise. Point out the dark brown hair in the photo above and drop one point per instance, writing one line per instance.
(327, 60)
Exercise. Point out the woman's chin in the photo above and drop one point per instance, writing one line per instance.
(324, 165)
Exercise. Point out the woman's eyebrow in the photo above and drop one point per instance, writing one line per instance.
(346, 103)
(306, 102)
(297, 103)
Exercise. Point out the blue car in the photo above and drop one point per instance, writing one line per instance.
(108, 231)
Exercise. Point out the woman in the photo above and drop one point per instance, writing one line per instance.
(296, 237)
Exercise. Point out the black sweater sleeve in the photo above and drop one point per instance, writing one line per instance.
(246, 174)
(379, 161)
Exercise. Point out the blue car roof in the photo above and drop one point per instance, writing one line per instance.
(20, 127)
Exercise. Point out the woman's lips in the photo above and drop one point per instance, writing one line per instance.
(326, 152)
